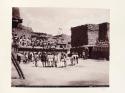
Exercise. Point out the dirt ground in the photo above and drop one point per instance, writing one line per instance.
(87, 73)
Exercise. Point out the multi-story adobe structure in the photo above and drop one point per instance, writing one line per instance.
(94, 37)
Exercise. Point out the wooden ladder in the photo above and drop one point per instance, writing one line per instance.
(17, 66)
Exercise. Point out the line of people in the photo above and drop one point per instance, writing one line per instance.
(53, 59)
(50, 59)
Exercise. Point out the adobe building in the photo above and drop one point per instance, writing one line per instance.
(104, 32)
(17, 27)
(62, 41)
(93, 30)
(94, 37)
(79, 36)
(16, 20)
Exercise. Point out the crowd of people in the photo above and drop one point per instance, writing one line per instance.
(48, 59)
(21, 40)
(24, 41)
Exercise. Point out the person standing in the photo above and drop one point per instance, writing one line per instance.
(55, 60)
(18, 58)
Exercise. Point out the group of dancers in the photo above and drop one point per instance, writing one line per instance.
(50, 59)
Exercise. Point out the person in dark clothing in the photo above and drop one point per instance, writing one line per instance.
(63, 58)
(55, 59)
(43, 59)
(86, 53)
(18, 59)
(29, 57)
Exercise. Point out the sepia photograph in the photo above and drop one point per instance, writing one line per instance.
(60, 47)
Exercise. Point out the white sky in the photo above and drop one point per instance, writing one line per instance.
(49, 20)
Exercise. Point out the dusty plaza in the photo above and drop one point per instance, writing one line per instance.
(87, 73)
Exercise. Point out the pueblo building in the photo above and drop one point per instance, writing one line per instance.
(93, 38)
